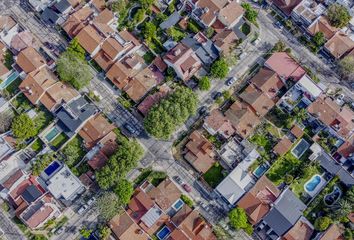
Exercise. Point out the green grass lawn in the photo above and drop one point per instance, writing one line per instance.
(37, 145)
(246, 29)
(75, 145)
(13, 87)
(59, 140)
(214, 175)
(298, 185)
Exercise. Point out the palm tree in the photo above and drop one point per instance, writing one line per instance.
(300, 114)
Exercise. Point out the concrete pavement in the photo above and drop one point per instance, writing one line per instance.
(10, 230)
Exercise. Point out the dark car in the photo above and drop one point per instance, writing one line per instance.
(203, 110)
(178, 179)
(187, 187)
(49, 45)
(130, 128)
(217, 95)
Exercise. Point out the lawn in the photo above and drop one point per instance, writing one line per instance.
(298, 185)
(37, 145)
(75, 145)
(13, 87)
(214, 175)
(246, 29)
(284, 165)
(59, 140)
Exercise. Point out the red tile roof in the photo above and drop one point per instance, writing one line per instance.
(283, 146)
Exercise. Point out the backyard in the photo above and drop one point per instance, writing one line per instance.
(214, 175)
(298, 185)
(37, 145)
(12, 89)
(73, 152)
(59, 140)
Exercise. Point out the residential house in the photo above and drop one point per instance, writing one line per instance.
(338, 118)
(73, 115)
(94, 130)
(235, 152)
(202, 47)
(285, 66)
(8, 29)
(183, 60)
(346, 150)
(115, 47)
(32, 204)
(55, 14)
(98, 5)
(334, 232)
(235, 185)
(124, 228)
(225, 41)
(302, 230)
(64, 185)
(217, 123)
(258, 201)
(330, 165)
(243, 118)
(105, 23)
(39, 5)
(284, 7)
(7, 146)
(321, 24)
(268, 82)
(231, 14)
(30, 60)
(301, 95)
(307, 11)
(199, 152)
(90, 39)
(21, 41)
(285, 213)
(145, 106)
(171, 21)
(339, 45)
(283, 146)
(77, 21)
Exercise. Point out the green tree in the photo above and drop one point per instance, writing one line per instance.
(192, 27)
(175, 34)
(108, 206)
(300, 114)
(322, 223)
(124, 190)
(73, 70)
(104, 232)
(348, 234)
(238, 218)
(118, 6)
(219, 69)
(227, 94)
(209, 32)
(71, 154)
(319, 39)
(344, 208)
(139, 16)
(346, 68)
(149, 31)
(8, 59)
(338, 15)
(171, 8)
(146, 3)
(250, 14)
(279, 47)
(76, 49)
(85, 232)
(171, 112)
(349, 196)
(204, 83)
(187, 200)
(41, 163)
(23, 127)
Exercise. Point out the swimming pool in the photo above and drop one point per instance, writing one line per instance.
(178, 204)
(51, 168)
(314, 185)
(52, 134)
(163, 233)
(300, 148)
(260, 170)
(333, 197)
(12, 77)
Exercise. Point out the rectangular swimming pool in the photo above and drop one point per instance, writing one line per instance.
(163, 233)
(52, 134)
(300, 148)
(51, 168)
(260, 170)
(178, 204)
(12, 77)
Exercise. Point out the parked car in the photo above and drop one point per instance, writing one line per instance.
(340, 99)
(59, 231)
(278, 25)
(230, 81)
(217, 95)
(91, 201)
(49, 45)
(187, 187)
(130, 128)
(203, 110)
(178, 179)
(82, 209)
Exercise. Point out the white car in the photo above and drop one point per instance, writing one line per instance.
(340, 99)
(82, 209)
(91, 201)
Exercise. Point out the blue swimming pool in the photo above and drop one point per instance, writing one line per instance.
(51, 168)
(178, 204)
(313, 183)
(260, 170)
(163, 233)
(12, 77)
(300, 148)
(52, 134)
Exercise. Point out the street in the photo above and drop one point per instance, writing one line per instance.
(9, 229)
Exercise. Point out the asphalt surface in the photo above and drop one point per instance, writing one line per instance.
(9, 229)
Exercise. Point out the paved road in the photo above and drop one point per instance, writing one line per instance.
(11, 231)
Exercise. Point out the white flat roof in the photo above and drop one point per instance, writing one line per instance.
(64, 184)
(310, 86)
(235, 185)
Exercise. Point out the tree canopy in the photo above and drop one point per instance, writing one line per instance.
(175, 34)
(238, 218)
(85, 232)
(338, 15)
(124, 190)
(146, 3)
(23, 127)
(171, 112)
(76, 49)
(219, 69)
(149, 31)
(74, 70)
(108, 206)
(119, 164)
(319, 39)
(204, 83)
(346, 68)
(250, 14)
(322, 223)
(139, 16)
